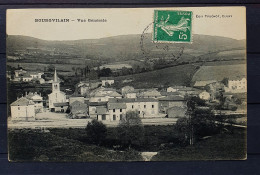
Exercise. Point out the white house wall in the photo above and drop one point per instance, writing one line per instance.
(22, 112)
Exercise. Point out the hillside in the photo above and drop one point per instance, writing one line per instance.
(219, 72)
(125, 47)
(177, 75)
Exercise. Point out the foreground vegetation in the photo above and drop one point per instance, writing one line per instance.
(74, 145)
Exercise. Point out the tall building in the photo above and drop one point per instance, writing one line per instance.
(57, 99)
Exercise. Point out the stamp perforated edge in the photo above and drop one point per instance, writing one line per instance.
(156, 41)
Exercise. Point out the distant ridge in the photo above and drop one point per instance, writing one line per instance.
(123, 47)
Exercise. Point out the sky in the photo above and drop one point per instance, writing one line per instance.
(120, 21)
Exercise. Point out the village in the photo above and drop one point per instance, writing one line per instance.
(100, 100)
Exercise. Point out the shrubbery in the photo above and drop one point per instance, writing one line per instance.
(96, 131)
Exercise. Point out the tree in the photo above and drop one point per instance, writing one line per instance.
(96, 131)
(225, 81)
(182, 127)
(130, 130)
(201, 119)
(51, 68)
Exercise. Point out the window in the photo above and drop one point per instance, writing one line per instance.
(121, 117)
(114, 117)
(132, 106)
(120, 110)
(103, 117)
(144, 106)
(139, 112)
(114, 110)
(152, 106)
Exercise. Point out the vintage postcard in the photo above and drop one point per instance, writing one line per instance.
(126, 84)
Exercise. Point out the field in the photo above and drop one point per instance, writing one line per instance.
(176, 75)
(73, 145)
(220, 72)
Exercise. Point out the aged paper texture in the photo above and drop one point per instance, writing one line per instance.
(126, 84)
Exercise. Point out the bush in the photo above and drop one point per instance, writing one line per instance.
(130, 130)
(96, 131)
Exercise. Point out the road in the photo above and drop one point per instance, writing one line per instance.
(59, 120)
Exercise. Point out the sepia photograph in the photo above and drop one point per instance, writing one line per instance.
(126, 84)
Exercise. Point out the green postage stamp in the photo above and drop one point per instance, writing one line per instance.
(172, 26)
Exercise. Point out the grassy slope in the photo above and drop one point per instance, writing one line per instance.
(220, 72)
(176, 75)
(220, 147)
(27, 145)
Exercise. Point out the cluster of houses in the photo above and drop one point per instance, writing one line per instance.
(94, 99)
(25, 76)
(22, 75)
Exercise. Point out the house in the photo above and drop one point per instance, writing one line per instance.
(19, 73)
(92, 108)
(171, 101)
(189, 91)
(202, 84)
(146, 107)
(174, 88)
(215, 89)
(83, 87)
(103, 94)
(176, 112)
(237, 85)
(117, 110)
(74, 98)
(23, 109)
(36, 75)
(78, 109)
(129, 92)
(29, 76)
(165, 93)
(126, 89)
(152, 93)
(204, 95)
(26, 78)
(102, 113)
(57, 99)
(107, 81)
(37, 99)
(61, 107)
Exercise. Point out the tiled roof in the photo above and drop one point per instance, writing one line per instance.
(60, 104)
(102, 103)
(22, 102)
(172, 98)
(116, 106)
(152, 93)
(102, 110)
(169, 93)
(114, 94)
(132, 100)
